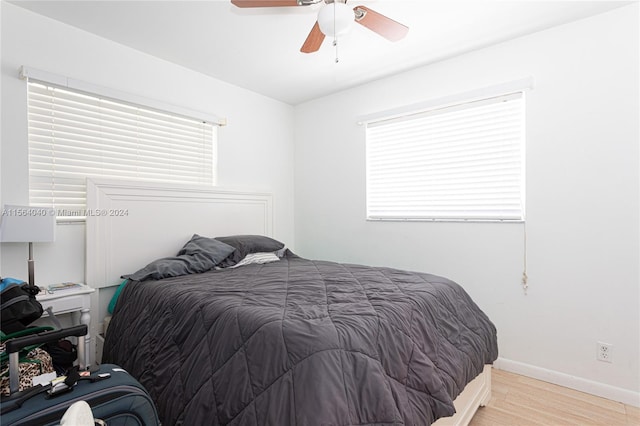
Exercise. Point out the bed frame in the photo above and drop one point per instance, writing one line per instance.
(130, 224)
(476, 394)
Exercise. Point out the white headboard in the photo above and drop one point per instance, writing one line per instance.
(130, 224)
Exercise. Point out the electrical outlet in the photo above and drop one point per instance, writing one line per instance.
(605, 352)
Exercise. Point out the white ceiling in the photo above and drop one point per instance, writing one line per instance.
(258, 49)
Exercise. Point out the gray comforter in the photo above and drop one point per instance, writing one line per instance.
(301, 342)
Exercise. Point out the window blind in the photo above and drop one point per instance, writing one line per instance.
(460, 162)
(74, 135)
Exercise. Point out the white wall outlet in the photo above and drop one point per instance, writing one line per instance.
(605, 352)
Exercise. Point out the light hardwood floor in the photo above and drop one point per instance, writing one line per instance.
(520, 400)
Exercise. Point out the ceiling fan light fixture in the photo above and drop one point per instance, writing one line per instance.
(333, 24)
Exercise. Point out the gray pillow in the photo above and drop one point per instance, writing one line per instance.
(246, 244)
(200, 254)
(212, 248)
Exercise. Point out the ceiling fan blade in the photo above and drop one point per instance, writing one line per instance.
(314, 40)
(264, 3)
(378, 23)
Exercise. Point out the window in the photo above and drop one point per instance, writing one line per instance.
(459, 162)
(74, 135)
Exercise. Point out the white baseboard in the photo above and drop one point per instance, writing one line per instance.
(578, 383)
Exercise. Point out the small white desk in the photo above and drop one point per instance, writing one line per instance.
(77, 302)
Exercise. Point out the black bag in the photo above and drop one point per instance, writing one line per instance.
(63, 353)
(18, 307)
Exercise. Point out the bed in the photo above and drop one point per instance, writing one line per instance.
(298, 341)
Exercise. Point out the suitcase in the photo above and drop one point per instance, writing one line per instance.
(114, 396)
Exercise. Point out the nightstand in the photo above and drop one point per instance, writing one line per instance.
(75, 301)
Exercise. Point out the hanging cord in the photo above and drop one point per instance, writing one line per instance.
(525, 278)
(335, 36)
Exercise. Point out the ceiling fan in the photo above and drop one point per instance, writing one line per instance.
(333, 21)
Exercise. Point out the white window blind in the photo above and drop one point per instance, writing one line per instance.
(74, 135)
(460, 162)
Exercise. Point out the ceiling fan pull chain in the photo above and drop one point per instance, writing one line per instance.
(335, 33)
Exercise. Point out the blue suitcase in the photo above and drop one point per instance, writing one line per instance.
(114, 396)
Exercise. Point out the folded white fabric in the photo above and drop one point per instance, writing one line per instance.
(259, 258)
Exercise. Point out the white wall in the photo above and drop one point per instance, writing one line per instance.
(582, 198)
(258, 128)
